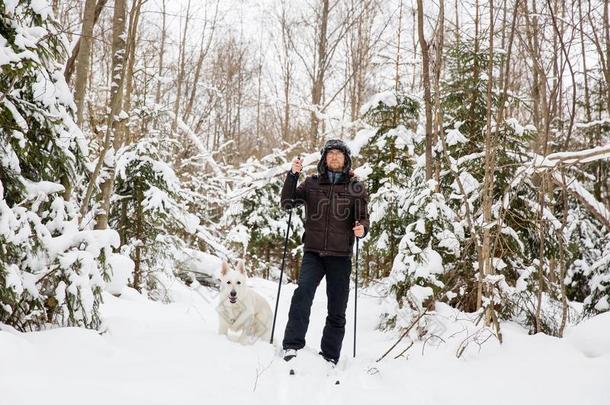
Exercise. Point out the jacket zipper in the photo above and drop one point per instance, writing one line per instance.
(330, 198)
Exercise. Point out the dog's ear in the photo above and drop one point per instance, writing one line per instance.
(241, 267)
(225, 268)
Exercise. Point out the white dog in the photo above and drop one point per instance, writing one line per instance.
(240, 308)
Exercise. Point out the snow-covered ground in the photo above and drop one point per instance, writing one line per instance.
(154, 353)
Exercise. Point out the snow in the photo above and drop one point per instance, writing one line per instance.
(469, 183)
(7, 55)
(582, 156)
(154, 353)
(41, 7)
(360, 140)
(363, 171)
(21, 123)
(10, 6)
(449, 241)
(387, 98)
(454, 136)
(122, 269)
(13, 280)
(589, 199)
(35, 189)
(591, 336)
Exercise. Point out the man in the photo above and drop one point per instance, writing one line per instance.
(336, 212)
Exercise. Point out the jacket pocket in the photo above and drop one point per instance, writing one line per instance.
(338, 241)
(313, 239)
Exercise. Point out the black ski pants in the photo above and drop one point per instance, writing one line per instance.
(337, 270)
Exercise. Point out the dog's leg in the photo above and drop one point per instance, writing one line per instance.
(258, 329)
(223, 327)
(243, 319)
(243, 338)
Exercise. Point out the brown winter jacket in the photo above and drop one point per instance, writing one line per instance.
(331, 211)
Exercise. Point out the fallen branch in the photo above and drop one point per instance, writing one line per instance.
(415, 322)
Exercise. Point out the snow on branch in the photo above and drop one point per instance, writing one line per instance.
(597, 208)
(591, 124)
(583, 156)
(577, 189)
(205, 153)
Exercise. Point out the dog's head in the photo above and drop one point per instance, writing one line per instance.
(233, 282)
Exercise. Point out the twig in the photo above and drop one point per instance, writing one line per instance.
(404, 334)
(431, 336)
(403, 352)
(259, 373)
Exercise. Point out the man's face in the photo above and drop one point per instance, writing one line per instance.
(335, 159)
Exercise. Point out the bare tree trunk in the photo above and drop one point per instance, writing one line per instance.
(317, 88)
(288, 69)
(538, 323)
(415, 47)
(55, 8)
(606, 23)
(359, 42)
(562, 261)
(397, 67)
(584, 63)
(82, 66)
(439, 40)
(486, 256)
(205, 45)
(181, 66)
(161, 52)
(542, 114)
(427, 93)
(132, 39)
(76, 50)
(137, 270)
(115, 104)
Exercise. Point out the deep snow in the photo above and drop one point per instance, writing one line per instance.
(155, 353)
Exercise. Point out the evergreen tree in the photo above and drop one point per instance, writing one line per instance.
(389, 154)
(50, 271)
(150, 211)
(258, 223)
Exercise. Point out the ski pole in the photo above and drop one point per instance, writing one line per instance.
(279, 286)
(356, 291)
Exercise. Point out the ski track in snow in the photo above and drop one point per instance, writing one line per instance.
(153, 353)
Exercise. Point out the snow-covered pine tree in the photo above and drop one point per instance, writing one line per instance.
(515, 208)
(588, 275)
(389, 156)
(150, 211)
(50, 271)
(587, 278)
(410, 221)
(438, 251)
(258, 223)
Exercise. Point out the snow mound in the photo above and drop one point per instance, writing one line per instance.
(592, 336)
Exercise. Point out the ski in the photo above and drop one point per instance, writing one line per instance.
(332, 375)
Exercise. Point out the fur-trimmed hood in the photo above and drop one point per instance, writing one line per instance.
(335, 144)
